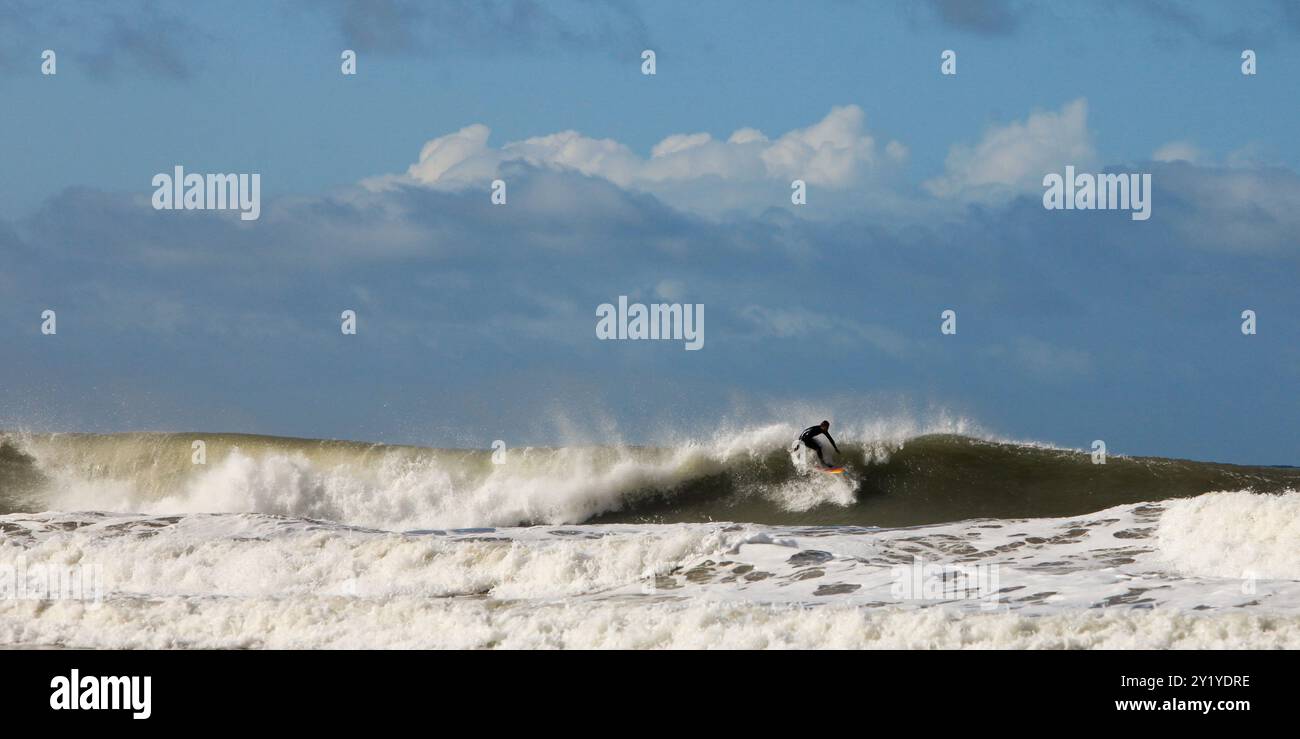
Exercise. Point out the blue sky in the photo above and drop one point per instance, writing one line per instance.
(477, 322)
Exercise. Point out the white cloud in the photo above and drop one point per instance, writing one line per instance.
(746, 136)
(571, 150)
(1013, 159)
(830, 152)
(835, 153)
(1238, 204)
(461, 155)
(680, 142)
(1178, 151)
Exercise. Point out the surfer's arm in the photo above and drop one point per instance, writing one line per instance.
(828, 436)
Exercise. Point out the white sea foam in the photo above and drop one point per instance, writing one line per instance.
(406, 623)
(1123, 577)
(1233, 534)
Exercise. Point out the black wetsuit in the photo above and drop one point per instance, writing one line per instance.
(807, 438)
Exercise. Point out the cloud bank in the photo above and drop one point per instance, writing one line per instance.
(474, 313)
(838, 153)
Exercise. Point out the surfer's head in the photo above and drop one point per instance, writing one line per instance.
(826, 425)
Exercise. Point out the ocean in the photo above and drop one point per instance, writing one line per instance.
(929, 540)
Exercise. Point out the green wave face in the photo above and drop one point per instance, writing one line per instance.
(941, 478)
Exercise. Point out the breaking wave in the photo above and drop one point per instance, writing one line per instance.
(747, 475)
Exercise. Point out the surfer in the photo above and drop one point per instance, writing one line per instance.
(809, 435)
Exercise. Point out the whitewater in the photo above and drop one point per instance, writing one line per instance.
(934, 538)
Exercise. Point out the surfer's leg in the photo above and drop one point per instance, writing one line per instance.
(818, 449)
